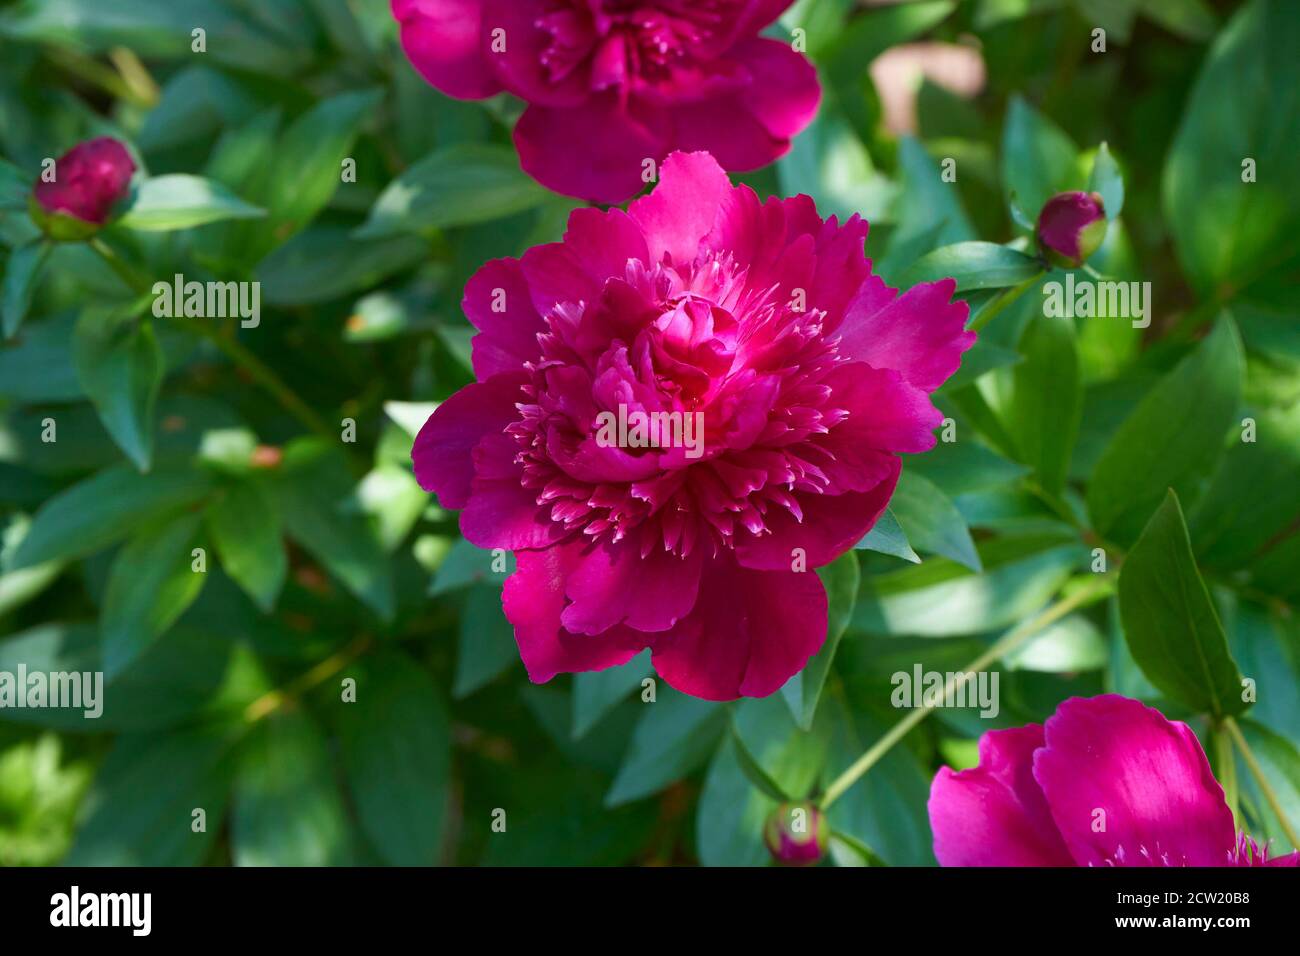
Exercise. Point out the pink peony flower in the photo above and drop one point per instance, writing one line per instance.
(89, 180)
(1071, 227)
(612, 83)
(809, 376)
(1107, 782)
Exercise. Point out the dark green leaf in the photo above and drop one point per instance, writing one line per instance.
(802, 691)
(1170, 623)
(179, 201)
(245, 528)
(21, 274)
(975, 265)
(931, 521)
(1047, 399)
(1172, 439)
(121, 366)
(151, 584)
(887, 537)
(675, 734)
(396, 742)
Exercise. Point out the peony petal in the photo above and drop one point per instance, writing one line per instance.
(831, 524)
(596, 151)
(443, 39)
(1147, 774)
(502, 512)
(885, 412)
(533, 599)
(995, 814)
(749, 632)
(920, 334)
(783, 93)
(498, 303)
(684, 206)
(522, 64)
(443, 450)
(614, 584)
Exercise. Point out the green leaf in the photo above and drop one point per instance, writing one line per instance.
(245, 528)
(802, 691)
(1107, 182)
(311, 489)
(941, 598)
(931, 521)
(486, 643)
(1170, 622)
(887, 537)
(140, 809)
(325, 263)
(287, 809)
(15, 187)
(1190, 19)
(308, 166)
(1038, 160)
(1279, 760)
(673, 737)
(171, 683)
(595, 693)
(154, 29)
(180, 201)
(975, 265)
(121, 367)
(1225, 229)
(1266, 644)
(730, 816)
(786, 759)
(978, 360)
(22, 273)
(1047, 399)
(925, 200)
(1229, 527)
(885, 809)
(151, 583)
(467, 564)
(458, 186)
(1172, 439)
(396, 746)
(829, 163)
(75, 522)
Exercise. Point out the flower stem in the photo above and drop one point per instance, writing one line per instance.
(997, 305)
(1017, 636)
(1265, 787)
(1226, 766)
(272, 701)
(256, 369)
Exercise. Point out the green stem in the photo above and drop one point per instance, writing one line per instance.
(1017, 636)
(257, 370)
(274, 700)
(1265, 787)
(1227, 767)
(1007, 298)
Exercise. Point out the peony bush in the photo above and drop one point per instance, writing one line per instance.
(494, 427)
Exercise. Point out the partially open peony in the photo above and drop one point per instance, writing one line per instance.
(809, 375)
(613, 83)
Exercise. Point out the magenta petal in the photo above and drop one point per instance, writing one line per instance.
(596, 151)
(684, 207)
(1128, 786)
(995, 814)
(920, 334)
(498, 303)
(749, 632)
(884, 411)
(443, 450)
(443, 39)
(785, 91)
(726, 128)
(533, 599)
(830, 525)
(502, 512)
(614, 584)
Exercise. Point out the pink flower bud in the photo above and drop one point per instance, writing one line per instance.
(88, 181)
(796, 834)
(1071, 227)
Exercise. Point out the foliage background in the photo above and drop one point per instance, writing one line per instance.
(224, 687)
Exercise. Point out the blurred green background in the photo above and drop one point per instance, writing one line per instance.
(326, 563)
